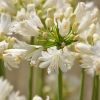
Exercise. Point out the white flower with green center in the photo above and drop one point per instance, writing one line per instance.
(16, 96)
(5, 21)
(53, 59)
(13, 57)
(90, 56)
(3, 46)
(5, 89)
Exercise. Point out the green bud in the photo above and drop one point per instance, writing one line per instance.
(90, 39)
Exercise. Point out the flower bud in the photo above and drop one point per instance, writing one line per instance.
(96, 37)
(45, 35)
(49, 22)
(50, 12)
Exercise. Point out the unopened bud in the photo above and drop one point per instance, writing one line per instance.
(49, 22)
(45, 35)
(90, 39)
(50, 12)
(96, 37)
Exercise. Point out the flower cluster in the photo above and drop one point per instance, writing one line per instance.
(48, 34)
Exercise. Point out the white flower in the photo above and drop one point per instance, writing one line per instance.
(33, 51)
(28, 23)
(3, 46)
(63, 10)
(5, 21)
(88, 32)
(39, 98)
(80, 11)
(8, 5)
(84, 16)
(25, 28)
(90, 5)
(55, 59)
(64, 27)
(90, 57)
(83, 48)
(15, 96)
(5, 89)
(21, 15)
(13, 57)
(49, 3)
(68, 12)
(31, 8)
(36, 20)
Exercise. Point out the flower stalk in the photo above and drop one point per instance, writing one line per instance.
(38, 81)
(97, 87)
(30, 87)
(95, 91)
(93, 88)
(60, 86)
(2, 69)
(82, 84)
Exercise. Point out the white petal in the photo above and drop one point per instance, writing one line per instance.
(44, 64)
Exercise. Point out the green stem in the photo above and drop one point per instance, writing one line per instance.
(30, 87)
(60, 84)
(30, 83)
(93, 89)
(38, 81)
(82, 84)
(97, 87)
(2, 69)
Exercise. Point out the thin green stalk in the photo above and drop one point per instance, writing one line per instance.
(60, 86)
(82, 84)
(2, 69)
(93, 89)
(30, 87)
(97, 87)
(38, 81)
(30, 84)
